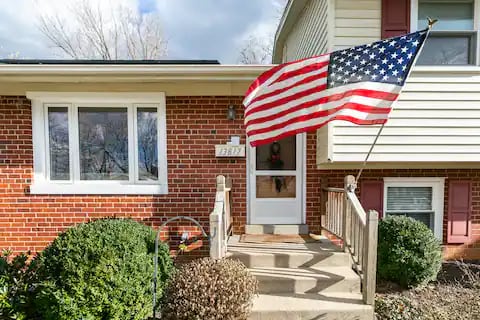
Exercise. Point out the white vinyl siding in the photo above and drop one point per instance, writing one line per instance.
(328, 25)
(357, 22)
(437, 119)
(309, 36)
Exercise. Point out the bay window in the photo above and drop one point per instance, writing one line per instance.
(99, 143)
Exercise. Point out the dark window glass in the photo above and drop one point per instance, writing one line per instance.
(59, 151)
(103, 140)
(446, 50)
(279, 155)
(147, 143)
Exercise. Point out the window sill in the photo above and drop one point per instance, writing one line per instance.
(98, 188)
(447, 68)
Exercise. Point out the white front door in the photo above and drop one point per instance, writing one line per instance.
(276, 182)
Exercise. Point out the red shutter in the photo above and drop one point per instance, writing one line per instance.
(371, 196)
(395, 18)
(459, 211)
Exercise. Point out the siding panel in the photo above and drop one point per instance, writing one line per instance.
(309, 36)
(356, 22)
(431, 122)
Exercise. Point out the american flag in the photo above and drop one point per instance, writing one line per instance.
(358, 85)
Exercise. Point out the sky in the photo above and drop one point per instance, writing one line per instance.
(194, 29)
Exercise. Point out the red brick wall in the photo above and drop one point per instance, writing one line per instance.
(469, 250)
(194, 126)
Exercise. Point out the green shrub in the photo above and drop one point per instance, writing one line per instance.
(210, 289)
(100, 270)
(16, 284)
(408, 252)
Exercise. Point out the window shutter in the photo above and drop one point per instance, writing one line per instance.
(395, 18)
(371, 196)
(459, 211)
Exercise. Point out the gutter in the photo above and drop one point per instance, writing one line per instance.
(54, 72)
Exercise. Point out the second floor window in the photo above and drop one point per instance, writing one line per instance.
(453, 40)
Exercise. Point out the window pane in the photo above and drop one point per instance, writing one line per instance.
(440, 50)
(279, 155)
(276, 187)
(147, 144)
(451, 16)
(103, 135)
(409, 198)
(58, 143)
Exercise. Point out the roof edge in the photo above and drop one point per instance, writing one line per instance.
(107, 62)
(289, 16)
(101, 72)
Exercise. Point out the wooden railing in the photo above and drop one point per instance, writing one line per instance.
(346, 219)
(221, 219)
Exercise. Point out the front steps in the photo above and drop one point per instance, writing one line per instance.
(302, 281)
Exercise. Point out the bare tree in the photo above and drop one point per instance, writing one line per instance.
(91, 33)
(258, 49)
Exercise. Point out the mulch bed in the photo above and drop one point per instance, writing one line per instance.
(454, 296)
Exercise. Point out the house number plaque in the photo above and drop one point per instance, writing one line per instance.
(229, 150)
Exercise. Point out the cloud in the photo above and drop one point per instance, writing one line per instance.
(207, 29)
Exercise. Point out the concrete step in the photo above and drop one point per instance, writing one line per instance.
(288, 255)
(328, 306)
(307, 280)
(276, 229)
(321, 243)
(284, 258)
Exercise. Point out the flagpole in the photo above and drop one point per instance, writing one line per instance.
(431, 22)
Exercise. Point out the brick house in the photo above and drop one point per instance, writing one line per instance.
(425, 163)
(91, 139)
(88, 140)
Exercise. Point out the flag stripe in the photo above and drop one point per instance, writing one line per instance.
(379, 90)
(267, 89)
(270, 138)
(314, 106)
(311, 80)
(295, 126)
(266, 78)
(306, 69)
(343, 108)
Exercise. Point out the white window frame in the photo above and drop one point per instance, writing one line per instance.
(475, 31)
(42, 184)
(438, 187)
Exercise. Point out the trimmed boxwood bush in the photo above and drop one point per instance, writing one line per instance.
(210, 289)
(408, 252)
(100, 270)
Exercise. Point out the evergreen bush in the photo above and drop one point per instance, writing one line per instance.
(408, 252)
(100, 270)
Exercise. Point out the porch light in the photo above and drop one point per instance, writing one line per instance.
(231, 113)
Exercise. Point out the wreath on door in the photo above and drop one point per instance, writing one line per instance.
(276, 163)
